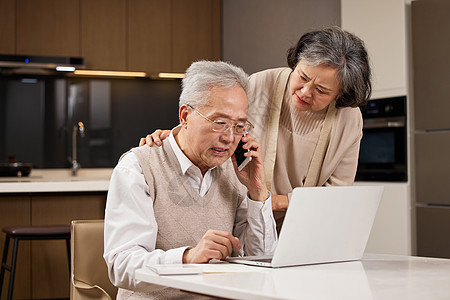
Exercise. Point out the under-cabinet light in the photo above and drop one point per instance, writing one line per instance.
(65, 69)
(171, 75)
(110, 73)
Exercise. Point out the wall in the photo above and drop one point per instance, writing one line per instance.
(257, 33)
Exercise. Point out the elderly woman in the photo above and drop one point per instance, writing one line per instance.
(306, 116)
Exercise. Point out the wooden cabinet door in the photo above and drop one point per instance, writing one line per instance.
(48, 27)
(431, 167)
(103, 34)
(136, 35)
(167, 36)
(430, 25)
(381, 25)
(195, 32)
(149, 36)
(15, 210)
(7, 27)
(42, 266)
(50, 270)
(432, 231)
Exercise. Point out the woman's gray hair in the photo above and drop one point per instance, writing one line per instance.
(202, 76)
(343, 51)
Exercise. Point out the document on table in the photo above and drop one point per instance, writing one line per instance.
(227, 268)
(214, 267)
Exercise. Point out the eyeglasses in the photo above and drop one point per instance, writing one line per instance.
(222, 126)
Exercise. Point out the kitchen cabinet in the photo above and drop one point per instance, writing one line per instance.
(103, 34)
(432, 231)
(429, 20)
(196, 32)
(42, 270)
(149, 36)
(381, 25)
(433, 193)
(432, 162)
(47, 27)
(391, 230)
(16, 210)
(167, 36)
(7, 27)
(135, 35)
(431, 63)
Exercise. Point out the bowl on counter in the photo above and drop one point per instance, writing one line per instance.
(15, 169)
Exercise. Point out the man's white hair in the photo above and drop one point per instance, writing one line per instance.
(203, 76)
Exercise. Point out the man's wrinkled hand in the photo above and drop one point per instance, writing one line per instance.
(215, 244)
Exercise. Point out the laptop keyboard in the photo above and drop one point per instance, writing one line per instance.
(266, 260)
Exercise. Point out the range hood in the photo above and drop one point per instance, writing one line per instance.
(24, 63)
(69, 67)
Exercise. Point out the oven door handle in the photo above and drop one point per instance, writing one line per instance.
(384, 123)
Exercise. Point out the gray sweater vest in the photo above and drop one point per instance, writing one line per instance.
(183, 216)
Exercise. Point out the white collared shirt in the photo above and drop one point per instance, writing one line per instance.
(200, 183)
(131, 228)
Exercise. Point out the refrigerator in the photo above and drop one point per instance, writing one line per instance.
(431, 78)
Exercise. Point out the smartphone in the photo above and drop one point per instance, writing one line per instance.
(241, 160)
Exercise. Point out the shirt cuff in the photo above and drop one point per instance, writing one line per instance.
(255, 207)
(174, 256)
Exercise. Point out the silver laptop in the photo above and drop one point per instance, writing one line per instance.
(323, 225)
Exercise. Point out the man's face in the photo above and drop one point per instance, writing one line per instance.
(205, 147)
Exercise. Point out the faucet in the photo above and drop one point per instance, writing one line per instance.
(76, 128)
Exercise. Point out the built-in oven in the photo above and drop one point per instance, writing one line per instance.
(383, 151)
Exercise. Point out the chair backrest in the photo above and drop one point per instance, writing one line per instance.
(89, 278)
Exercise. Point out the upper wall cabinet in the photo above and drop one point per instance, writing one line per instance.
(103, 34)
(149, 36)
(7, 27)
(381, 24)
(48, 27)
(167, 36)
(196, 32)
(136, 35)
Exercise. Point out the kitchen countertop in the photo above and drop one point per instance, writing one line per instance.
(58, 180)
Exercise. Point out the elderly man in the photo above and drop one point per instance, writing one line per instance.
(186, 202)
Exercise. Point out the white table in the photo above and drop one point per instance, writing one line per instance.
(374, 277)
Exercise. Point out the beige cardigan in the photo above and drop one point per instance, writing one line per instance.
(298, 135)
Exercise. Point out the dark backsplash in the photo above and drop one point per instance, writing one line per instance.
(37, 115)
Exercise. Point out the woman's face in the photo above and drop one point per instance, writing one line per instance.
(313, 87)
